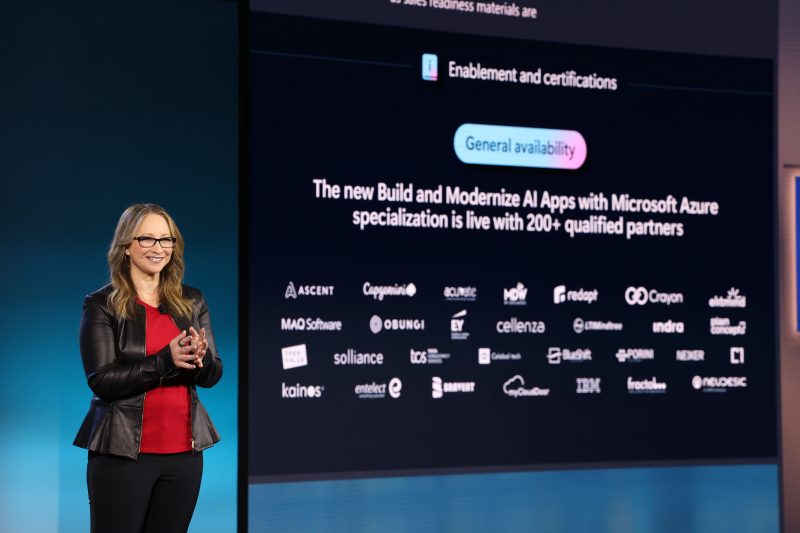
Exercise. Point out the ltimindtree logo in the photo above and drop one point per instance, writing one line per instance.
(354, 357)
(723, 326)
(374, 390)
(580, 325)
(690, 355)
(457, 326)
(379, 292)
(301, 391)
(515, 387)
(635, 354)
(515, 295)
(646, 386)
(460, 294)
(429, 356)
(562, 295)
(642, 296)
(439, 387)
(294, 356)
(587, 385)
(670, 326)
(377, 324)
(293, 292)
(719, 384)
(310, 324)
(732, 299)
(555, 355)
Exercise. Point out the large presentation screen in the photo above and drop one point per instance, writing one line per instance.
(476, 253)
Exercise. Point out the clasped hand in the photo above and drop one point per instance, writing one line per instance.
(188, 349)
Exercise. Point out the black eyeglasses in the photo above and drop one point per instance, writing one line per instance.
(149, 242)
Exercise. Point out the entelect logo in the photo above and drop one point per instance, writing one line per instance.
(431, 356)
(556, 355)
(294, 356)
(439, 388)
(461, 294)
(561, 295)
(353, 357)
(376, 324)
(668, 327)
(515, 295)
(310, 324)
(457, 326)
(307, 290)
(723, 326)
(718, 384)
(642, 296)
(587, 385)
(515, 387)
(301, 391)
(732, 299)
(379, 292)
(375, 390)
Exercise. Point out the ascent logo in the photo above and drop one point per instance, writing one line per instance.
(556, 355)
(642, 296)
(561, 295)
(310, 324)
(431, 356)
(635, 354)
(376, 324)
(292, 293)
(668, 327)
(690, 355)
(379, 292)
(353, 357)
(301, 391)
(439, 388)
(375, 390)
(457, 326)
(515, 387)
(646, 386)
(587, 385)
(723, 326)
(732, 299)
(515, 295)
(460, 294)
(294, 356)
(718, 384)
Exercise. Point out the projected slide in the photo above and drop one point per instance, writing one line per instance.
(473, 253)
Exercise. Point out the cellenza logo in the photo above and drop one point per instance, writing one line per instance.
(376, 324)
(561, 295)
(651, 386)
(515, 387)
(642, 296)
(514, 325)
(718, 384)
(439, 388)
(379, 292)
(301, 391)
(293, 292)
(732, 299)
(310, 324)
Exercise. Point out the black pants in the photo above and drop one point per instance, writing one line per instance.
(156, 493)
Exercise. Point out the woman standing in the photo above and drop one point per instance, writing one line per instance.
(146, 342)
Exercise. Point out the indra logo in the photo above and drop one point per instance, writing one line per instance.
(293, 292)
(562, 295)
(377, 324)
(294, 356)
(460, 294)
(515, 295)
(669, 326)
(431, 356)
(643, 296)
(718, 384)
(515, 387)
(587, 385)
(439, 387)
(379, 292)
(732, 299)
(301, 391)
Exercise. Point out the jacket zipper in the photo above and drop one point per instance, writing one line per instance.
(191, 426)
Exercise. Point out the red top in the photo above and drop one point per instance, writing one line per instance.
(166, 420)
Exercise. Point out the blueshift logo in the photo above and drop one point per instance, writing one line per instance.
(430, 67)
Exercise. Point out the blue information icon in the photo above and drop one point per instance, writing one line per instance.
(430, 67)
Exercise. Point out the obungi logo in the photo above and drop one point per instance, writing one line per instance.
(642, 296)
(646, 386)
(635, 354)
(294, 356)
(307, 290)
(376, 324)
(732, 299)
(461, 294)
(562, 295)
(515, 295)
(515, 387)
(439, 388)
(690, 355)
(587, 385)
(310, 324)
(378, 390)
(669, 326)
(457, 326)
(723, 326)
(555, 355)
(301, 391)
(353, 357)
(379, 292)
(718, 384)
(431, 356)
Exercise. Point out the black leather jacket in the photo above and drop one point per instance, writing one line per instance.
(120, 374)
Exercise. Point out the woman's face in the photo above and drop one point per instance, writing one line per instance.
(150, 261)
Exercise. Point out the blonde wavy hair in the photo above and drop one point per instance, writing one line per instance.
(123, 294)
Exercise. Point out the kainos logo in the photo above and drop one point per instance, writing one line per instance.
(732, 299)
(353, 357)
(723, 326)
(461, 294)
(646, 386)
(301, 391)
(718, 384)
(439, 388)
(514, 325)
(431, 356)
(737, 355)
(580, 325)
(587, 385)
(457, 326)
(690, 355)
(669, 326)
(367, 391)
(635, 354)
(515, 387)
(561, 295)
(379, 292)
(486, 356)
(556, 355)
(294, 356)
(515, 295)
(642, 296)
(310, 324)
(292, 293)
(376, 324)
